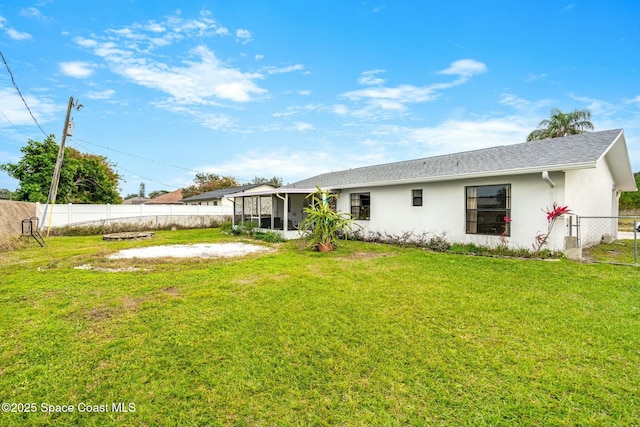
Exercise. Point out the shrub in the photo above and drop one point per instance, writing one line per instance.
(268, 236)
(323, 225)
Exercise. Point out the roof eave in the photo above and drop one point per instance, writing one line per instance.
(485, 174)
(621, 169)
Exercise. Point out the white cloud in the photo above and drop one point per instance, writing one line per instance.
(302, 126)
(300, 109)
(12, 33)
(635, 100)
(341, 109)
(380, 101)
(197, 81)
(216, 122)
(305, 92)
(513, 100)
(105, 94)
(243, 35)
(78, 69)
(287, 69)
(6, 157)
(17, 35)
(201, 77)
(465, 68)
(451, 136)
(15, 111)
(534, 77)
(597, 107)
(368, 78)
(291, 166)
(148, 36)
(31, 12)
(213, 121)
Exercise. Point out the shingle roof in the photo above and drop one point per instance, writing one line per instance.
(549, 154)
(173, 197)
(218, 194)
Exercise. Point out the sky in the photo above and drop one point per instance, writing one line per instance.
(292, 89)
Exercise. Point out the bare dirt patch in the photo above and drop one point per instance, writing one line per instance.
(203, 250)
(107, 269)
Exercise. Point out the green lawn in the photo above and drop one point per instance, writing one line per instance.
(619, 252)
(366, 335)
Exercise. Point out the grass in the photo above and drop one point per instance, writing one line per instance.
(619, 251)
(626, 224)
(366, 335)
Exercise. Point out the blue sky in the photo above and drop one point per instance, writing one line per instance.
(293, 88)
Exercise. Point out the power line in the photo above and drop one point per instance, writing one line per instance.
(136, 156)
(11, 123)
(75, 141)
(22, 97)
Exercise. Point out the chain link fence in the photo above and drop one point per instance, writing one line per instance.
(608, 239)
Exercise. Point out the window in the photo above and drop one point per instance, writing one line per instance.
(487, 207)
(360, 205)
(416, 197)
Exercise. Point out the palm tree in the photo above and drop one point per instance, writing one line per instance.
(561, 124)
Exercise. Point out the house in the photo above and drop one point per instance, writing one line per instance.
(483, 197)
(217, 197)
(172, 198)
(135, 200)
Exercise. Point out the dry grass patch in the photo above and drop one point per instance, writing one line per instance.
(368, 255)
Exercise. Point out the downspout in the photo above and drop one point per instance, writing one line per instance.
(552, 196)
(545, 177)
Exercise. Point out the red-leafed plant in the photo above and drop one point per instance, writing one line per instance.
(503, 236)
(552, 215)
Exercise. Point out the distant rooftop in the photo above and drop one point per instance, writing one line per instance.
(218, 194)
(173, 197)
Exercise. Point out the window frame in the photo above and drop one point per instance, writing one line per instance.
(479, 212)
(416, 200)
(360, 211)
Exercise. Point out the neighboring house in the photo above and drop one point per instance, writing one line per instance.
(135, 200)
(172, 198)
(217, 197)
(467, 196)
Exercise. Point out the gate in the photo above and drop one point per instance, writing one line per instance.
(608, 239)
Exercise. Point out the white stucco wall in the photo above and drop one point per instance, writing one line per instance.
(591, 193)
(443, 209)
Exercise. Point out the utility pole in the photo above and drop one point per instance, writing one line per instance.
(53, 190)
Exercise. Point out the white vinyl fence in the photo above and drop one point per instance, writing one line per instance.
(76, 214)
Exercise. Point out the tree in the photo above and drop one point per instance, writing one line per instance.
(204, 182)
(157, 193)
(562, 124)
(84, 178)
(275, 181)
(142, 190)
(94, 179)
(6, 194)
(631, 200)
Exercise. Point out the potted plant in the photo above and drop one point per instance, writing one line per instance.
(323, 225)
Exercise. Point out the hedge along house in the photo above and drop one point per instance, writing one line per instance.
(470, 197)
